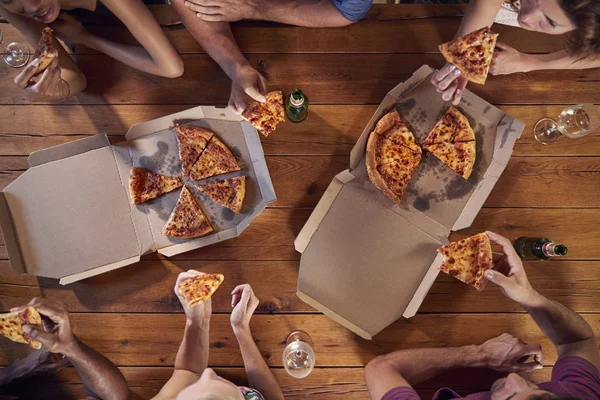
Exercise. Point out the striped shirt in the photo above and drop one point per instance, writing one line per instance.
(571, 376)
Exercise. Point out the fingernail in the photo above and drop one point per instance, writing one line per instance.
(187, 4)
(457, 91)
(489, 274)
(456, 72)
(452, 67)
(539, 366)
(26, 328)
(36, 61)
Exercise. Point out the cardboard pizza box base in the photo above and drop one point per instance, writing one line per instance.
(367, 261)
(69, 216)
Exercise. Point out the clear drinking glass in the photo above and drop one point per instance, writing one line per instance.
(16, 54)
(573, 122)
(299, 356)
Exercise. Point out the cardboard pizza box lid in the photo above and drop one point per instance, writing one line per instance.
(357, 241)
(95, 230)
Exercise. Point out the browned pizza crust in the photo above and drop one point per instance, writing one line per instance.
(265, 116)
(472, 54)
(45, 51)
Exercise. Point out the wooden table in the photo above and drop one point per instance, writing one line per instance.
(132, 316)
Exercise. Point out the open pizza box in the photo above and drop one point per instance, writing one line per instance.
(69, 215)
(367, 261)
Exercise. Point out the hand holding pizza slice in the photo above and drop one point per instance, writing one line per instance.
(468, 259)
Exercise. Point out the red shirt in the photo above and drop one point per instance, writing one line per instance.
(571, 376)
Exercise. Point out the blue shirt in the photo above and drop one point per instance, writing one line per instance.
(353, 10)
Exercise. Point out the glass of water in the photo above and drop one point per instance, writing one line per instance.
(299, 356)
(16, 54)
(573, 122)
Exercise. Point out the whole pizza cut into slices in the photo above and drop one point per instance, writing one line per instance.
(453, 127)
(390, 165)
(460, 157)
(45, 51)
(199, 288)
(187, 219)
(192, 142)
(468, 259)
(145, 185)
(11, 325)
(265, 116)
(216, 159)
(229, 192)
(472, 54)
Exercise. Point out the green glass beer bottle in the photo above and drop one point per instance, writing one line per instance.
(296, 106)
(543, 248)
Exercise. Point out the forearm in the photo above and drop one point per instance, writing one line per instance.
(308, 13)
(561, 325)
(259, 375)
(479, 14)
(560, 60)
(215, 38)
(100, 377)
(193, 352)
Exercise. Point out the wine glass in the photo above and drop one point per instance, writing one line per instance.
(16, 54)
(573, 122)
(299, 356)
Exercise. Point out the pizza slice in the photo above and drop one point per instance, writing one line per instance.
(216, 159)
(265, 116)
(229, 192)
(472, 54)
(453, 127)
(192, 142)
(11, 325)
(45, 51)
(391, 127)
(460, 156)
(468, 259)
(199, 288)
(187, 219)
(145, 185)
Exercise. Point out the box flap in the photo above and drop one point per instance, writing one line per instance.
(10, 237)
(72, 215)
(68, 149)
(97, 271)
(380, 255)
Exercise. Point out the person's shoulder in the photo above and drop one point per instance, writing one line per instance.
(578, 376)
(401, 393)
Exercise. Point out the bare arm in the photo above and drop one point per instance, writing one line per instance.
(259, 375)
(568, 331)
(100, 377)
(412, 367)
(561, 60)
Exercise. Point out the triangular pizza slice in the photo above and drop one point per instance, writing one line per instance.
(11, 325)
(192, 142)
(265, 116)
(391, 127)
(45, 51)
(472, 54)
(468, 259)
(145, 185)
(229, 192)
(460, 156)
(187, 219)
(199, 288)
(216, 159)
(453, 127)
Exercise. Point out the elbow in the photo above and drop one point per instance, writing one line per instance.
(374, 368)
(121, 390)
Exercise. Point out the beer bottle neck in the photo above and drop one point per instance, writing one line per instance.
(551, 249)
(296, 102)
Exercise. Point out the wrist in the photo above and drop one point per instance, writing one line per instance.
(471, 356)
(532, 300)
(241, 330)
(72, 348)
(198, 322)
(530, 62)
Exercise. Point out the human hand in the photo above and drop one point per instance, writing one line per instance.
(56, 337)
(507, 353)
(507, 60)
(449, 82)
(509, 273)
(223, 10)
(48, 86)
(70, 29)
(244, 303)
(199, 313)
(246, 81)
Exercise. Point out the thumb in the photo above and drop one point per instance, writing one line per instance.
(46, 339)
(498, 278)
(255, 94)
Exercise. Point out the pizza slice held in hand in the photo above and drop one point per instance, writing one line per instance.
(199, 288)
(229, 192)
(265, 116)
(216, 159)
(472, 54)
(45, 51)
(11, 325)
(192, 141)
(187, 219)
(145, 185)
(468, 259)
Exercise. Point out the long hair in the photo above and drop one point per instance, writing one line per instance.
(585, 15)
